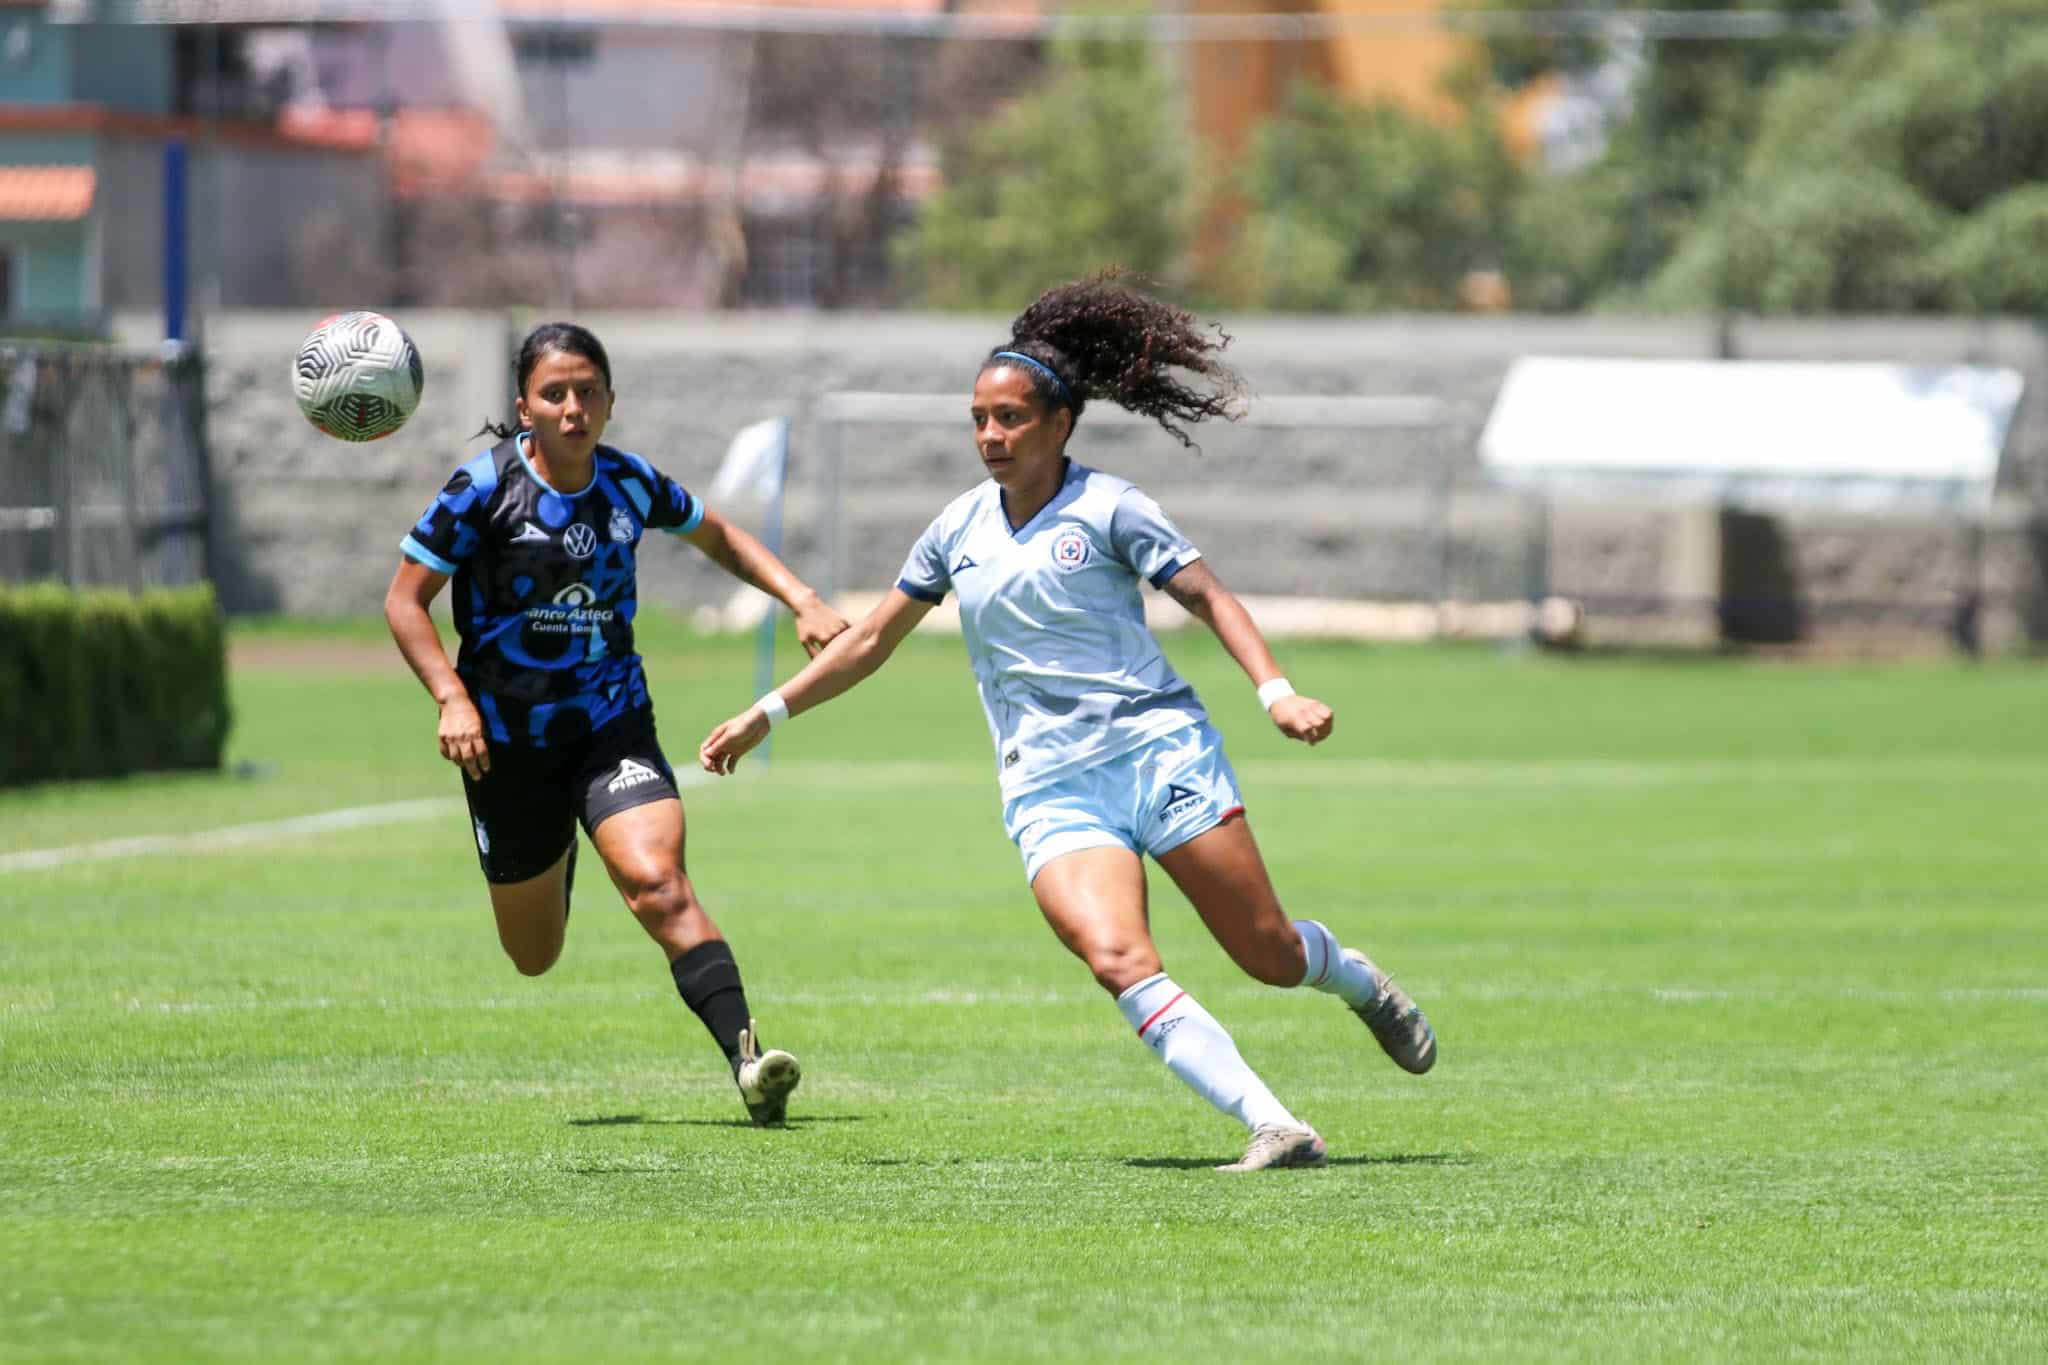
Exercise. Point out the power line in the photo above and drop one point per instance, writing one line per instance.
(1668, 25)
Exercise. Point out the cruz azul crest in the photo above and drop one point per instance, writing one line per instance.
(1070, 549)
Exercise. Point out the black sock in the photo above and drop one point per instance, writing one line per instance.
(569, 878)
(709, 981)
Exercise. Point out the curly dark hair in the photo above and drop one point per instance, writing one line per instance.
(1104, 339)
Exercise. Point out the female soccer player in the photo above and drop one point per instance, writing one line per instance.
(1103, 752)
(546, 709)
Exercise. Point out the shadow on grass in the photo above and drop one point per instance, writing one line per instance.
(1186, 1163)
(629, 1120)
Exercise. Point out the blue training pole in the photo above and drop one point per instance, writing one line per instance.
(174, 240)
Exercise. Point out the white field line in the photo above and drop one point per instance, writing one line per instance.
(263, 831)
(230, 836)
(1306, 771)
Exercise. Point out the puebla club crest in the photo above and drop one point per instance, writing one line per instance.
(1070, 549)
(622, 526)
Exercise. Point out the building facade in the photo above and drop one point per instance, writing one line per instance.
(87, 112)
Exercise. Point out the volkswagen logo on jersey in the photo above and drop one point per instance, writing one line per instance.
(1070, 550)
(580, 541)
(622, 526)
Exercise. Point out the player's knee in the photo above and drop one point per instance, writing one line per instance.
(1120, 966)
(532, 961)
(660, 897)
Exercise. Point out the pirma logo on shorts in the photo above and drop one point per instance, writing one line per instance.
(631, 774)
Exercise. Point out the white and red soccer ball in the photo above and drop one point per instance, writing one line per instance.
(358, 376)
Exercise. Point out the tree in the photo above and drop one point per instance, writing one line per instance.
(1089, 169)
(1868, 176)
(1997, 262)
(1571, 238)
(1958, 110)
(1595, 234)
(1842, 240)
(1368, 207)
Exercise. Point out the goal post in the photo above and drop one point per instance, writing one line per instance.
(1374, 497)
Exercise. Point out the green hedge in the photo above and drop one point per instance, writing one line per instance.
(97, 683)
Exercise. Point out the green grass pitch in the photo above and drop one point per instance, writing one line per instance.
(1740, 971)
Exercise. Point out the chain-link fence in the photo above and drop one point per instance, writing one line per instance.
(103, 470)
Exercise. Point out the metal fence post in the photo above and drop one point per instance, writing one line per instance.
(832, 453)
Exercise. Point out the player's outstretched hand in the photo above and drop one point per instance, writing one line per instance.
(816, 624)
(720, 752)
(462, 737)
(1303, 718)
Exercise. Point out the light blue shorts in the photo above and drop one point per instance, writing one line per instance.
(1151, 800)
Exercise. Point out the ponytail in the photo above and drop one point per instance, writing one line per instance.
(1099, 338)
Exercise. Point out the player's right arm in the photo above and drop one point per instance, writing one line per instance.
(852, 656)
(412, 589)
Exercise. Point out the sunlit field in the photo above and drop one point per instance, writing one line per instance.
(1740, 971)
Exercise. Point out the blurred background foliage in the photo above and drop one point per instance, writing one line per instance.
(1089, 165)
(1863, 156)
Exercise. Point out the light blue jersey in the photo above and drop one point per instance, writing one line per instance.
(1055, 627)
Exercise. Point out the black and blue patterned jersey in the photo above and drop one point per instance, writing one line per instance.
(545, 588)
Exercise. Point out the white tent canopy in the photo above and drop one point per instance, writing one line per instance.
(1863, 437)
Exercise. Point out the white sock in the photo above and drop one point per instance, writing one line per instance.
(1354, 980)
(1196, 1049)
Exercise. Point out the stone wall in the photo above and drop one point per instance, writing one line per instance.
(311, 525)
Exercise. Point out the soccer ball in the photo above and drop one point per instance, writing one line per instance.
(358, 376)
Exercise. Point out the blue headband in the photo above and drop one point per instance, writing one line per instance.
(1042, 368)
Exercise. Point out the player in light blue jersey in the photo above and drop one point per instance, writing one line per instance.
(1103, 752)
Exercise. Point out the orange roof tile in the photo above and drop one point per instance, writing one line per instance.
(94, 118)
(439, 149)
(353, 129)
(45, 194)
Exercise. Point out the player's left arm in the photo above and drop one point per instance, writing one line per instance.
(1197, 588)
(747, 559)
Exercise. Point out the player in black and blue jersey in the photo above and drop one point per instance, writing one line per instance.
(546, 710)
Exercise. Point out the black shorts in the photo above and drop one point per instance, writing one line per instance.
(525, 809)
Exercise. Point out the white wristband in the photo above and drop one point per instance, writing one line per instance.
(1272, 690)
(773, 707)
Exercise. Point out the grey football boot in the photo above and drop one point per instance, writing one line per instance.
(1397, 1022)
